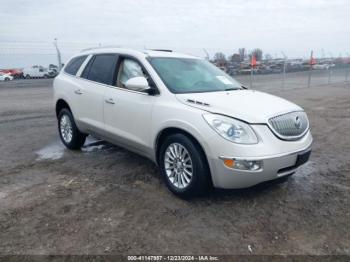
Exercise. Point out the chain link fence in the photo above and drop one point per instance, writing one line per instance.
(291, 80)
(273, 73)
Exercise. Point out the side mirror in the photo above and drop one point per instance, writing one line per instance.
(138, 83)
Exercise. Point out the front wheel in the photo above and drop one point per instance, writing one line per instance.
(183, 166)
(70, 135)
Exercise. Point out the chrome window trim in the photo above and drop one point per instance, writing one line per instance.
(83, 65)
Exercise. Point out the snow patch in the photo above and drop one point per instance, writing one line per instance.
(51, 152)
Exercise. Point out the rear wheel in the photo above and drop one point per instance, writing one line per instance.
(28, 77)
(70, 135)
(183, 166)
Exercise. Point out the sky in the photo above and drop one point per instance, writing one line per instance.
(28, 27)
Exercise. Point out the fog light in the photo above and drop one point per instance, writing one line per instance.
(249, 165)
(252, 165)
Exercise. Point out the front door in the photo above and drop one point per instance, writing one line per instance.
(128, 113)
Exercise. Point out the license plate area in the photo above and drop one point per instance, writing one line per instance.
(301, 159)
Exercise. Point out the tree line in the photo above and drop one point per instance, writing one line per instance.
(239, 56)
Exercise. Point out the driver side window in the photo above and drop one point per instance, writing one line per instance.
(129, 68)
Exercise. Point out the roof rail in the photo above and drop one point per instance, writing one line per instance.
(119, 46)
(100, 47)
(162, 50)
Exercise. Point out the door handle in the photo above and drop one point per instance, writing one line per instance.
(110, 101)
(78, 92)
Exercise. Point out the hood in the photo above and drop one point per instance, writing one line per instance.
(248, 105)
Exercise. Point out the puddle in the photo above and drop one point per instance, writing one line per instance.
(53, 151)
(56, 150)
(2, 195)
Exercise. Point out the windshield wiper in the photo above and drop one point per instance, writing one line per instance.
(232, 88)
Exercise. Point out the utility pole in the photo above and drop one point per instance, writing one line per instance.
(251, 78)
(207, 57)
(310, 71)
(252, 65)
(284, 69)
(347, 67)
(329, 68)
(58, 55)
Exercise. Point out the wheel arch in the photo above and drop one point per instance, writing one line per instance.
(60, 104)
(175, 130)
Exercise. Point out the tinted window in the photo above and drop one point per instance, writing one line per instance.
(101, 69)
(74, 65)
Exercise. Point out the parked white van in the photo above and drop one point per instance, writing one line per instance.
(35, 72)
(199, 125)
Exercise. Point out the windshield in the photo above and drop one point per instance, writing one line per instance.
(191, 75)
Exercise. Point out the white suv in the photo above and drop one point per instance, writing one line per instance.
(199, 125)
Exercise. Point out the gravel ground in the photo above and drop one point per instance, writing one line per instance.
(106, 200)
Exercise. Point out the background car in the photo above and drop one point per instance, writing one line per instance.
(15, 73)
(5, 77)
(321, 66)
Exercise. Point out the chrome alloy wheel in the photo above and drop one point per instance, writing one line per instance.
(66, 129)
(178, 165)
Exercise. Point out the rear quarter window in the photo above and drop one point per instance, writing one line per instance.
(73, 65)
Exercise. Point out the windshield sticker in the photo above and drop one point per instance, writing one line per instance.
(224, 79)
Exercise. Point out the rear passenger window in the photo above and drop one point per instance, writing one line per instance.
(74, 65)
(101, 68)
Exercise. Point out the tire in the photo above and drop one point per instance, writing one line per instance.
(7, 79)
(187, 186)
(28, 77)
(70, 135)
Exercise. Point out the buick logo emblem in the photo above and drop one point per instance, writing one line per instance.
(297, 122)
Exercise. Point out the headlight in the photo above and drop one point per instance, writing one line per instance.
(231, 129)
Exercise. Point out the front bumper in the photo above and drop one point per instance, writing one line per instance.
(272, 168)
(279, 157)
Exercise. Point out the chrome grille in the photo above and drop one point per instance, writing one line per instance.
(290, 126)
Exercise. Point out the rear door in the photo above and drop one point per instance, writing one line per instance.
(98, 74)
(69, 85)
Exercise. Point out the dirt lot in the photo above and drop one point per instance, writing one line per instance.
(105, 200)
